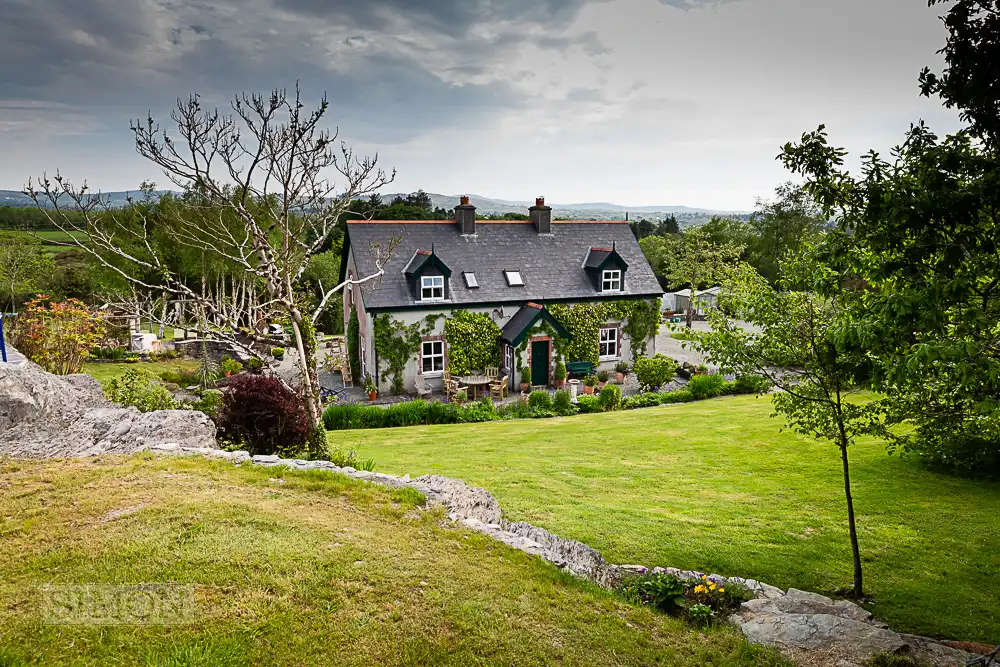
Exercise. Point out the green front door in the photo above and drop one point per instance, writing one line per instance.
(540, 363)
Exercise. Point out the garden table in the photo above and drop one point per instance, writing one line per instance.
(475, 380)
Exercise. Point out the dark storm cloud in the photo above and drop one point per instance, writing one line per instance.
(99, 54)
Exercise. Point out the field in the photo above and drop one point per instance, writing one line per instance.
(299, 569)
(107, 370)
(718, 486)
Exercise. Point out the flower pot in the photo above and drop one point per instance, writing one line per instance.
(619, 377)
(601, 385)
(524, 387)
(587, 389)
(227, 373)
(372, 395)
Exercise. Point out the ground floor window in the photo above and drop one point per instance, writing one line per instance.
(609, 342)
(432, 356)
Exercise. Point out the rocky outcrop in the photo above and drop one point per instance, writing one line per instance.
(45, 415)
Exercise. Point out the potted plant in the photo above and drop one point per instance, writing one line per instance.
(525, 378)
(589, 383)
(701, 370)
(278, 353)
(371, 388)
(621, 370)
(560, 374)
(230, 366)
(461, 396)
(602, 379)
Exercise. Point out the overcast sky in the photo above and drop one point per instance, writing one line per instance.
(638, 102)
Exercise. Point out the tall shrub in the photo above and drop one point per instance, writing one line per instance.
(139, 389)
(473, 341)
(354, 344)
(57, 336)
(655, 371)
(264, 416)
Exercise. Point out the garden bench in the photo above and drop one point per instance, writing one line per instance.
(579, 368)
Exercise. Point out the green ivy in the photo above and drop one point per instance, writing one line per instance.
(473, 341)
(395, 344)
(354, 344)
(584, 321)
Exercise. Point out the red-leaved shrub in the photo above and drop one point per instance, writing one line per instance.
(263, 416)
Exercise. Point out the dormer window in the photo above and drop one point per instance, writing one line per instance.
(606, 269)
(432, 288)
(611, 281)
(514, 278)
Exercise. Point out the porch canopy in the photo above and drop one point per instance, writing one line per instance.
(520, 325)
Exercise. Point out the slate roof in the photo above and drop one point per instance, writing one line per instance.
(550, 264)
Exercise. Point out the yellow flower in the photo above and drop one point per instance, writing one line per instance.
(704, 577)
(722, 590)
(711, 585)
(700, 589)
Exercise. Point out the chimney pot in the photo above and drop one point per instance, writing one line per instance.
(541, 216)
(539, 201)
(464, 200)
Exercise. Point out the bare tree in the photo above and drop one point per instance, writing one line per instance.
(257, 199)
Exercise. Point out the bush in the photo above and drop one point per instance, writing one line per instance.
(517, 410)
(655, 371)
(231, 366)
(540, 400)
(588, 403)
(603, 376)
(277, 351)
(109, 353)
(706, 386)
(140, 390)
(183, 378)
(255, 365)
(611, 398)
(560, 371)
(264, 416)
(350, 460)
(562, 403)
(958, 447)
(210, 402)
(57, 336)
(478, 411)
(752, 384)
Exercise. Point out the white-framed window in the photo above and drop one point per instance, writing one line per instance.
(432, 288)
(514, 278)
(611, 281)
(432, 357)
(609, 343)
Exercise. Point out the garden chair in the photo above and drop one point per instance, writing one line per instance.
(498, 390)
(423, 389)
(492, 372)
(452, 387)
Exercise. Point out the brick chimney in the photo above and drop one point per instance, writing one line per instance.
(465, 216)
(541, 216)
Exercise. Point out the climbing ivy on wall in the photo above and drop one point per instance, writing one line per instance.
(473, 342)
(584, 320)
(354, 344)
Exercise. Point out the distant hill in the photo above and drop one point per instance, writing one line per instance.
(17, 199)
(489, 206)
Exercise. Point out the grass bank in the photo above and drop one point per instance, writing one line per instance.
(108, 370)
(301, 569)
(717, 485)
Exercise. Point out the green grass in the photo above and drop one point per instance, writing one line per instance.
(301, 569)
(107, 370)
(718, 486)
(53, 236)
(685, 335)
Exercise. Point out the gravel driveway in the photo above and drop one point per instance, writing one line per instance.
(675, 348)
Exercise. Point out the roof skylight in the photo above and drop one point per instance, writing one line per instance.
(470, 279)
(514, 278)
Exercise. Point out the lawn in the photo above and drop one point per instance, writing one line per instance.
(293, 568)
(107, 370)
(717, 485)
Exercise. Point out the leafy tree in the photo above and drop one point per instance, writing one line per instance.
(642, 229)
(920, 232)
(657, 252)
(795, 345)
(694, 260)
(24, 266)
(782, 227)
(668, 226)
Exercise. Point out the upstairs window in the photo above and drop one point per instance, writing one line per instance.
(609, 343)
(470, 279)
(432, 288)
(611, 281)
(514, 278)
